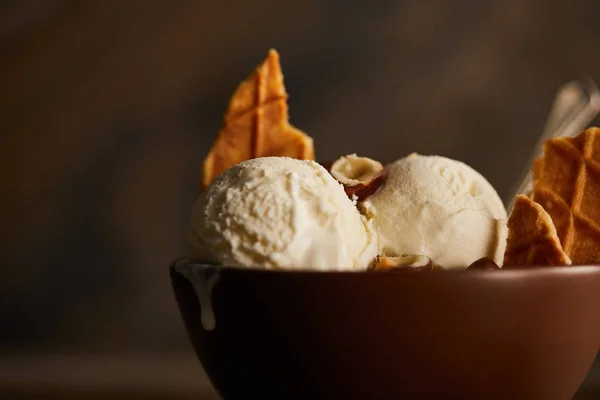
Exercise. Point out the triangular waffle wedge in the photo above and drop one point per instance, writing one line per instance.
(532, 238)
(567, 185)
(256, 124)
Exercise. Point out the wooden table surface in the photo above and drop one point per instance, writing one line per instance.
(130, 377)
(104, 377)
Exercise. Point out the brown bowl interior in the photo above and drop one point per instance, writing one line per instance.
(518, 334)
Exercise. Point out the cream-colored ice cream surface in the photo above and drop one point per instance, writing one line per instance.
(280, 213)
(440, 208)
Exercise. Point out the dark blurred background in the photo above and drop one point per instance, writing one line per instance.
(107, 109)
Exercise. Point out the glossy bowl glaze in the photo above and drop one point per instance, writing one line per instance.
(481, 334)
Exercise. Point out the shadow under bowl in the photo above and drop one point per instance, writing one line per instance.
(508, 334)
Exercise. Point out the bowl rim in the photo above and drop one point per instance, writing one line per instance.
(497, 274)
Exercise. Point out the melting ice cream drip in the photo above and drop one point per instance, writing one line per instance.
(203, 280)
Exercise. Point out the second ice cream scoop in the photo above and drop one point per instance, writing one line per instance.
(440, 208)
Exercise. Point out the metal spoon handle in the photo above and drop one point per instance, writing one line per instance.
(576, 105)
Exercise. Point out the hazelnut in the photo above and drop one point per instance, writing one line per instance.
(413, 262)
(361, 176)
(483, 263)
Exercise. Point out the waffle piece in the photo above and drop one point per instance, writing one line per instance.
(537, 168)
(567, 185)
(256, 124)
(532, 238)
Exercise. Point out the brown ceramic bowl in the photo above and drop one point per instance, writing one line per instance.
(510, 334)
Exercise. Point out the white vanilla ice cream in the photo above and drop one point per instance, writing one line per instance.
(440, 208)
(280, 213)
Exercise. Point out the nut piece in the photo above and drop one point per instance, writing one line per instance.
(361, 176)
(352, 170)
(412, 262)
(484, 263)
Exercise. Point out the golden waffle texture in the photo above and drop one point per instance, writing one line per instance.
(257, 124)
(567, 186)
(532, 238)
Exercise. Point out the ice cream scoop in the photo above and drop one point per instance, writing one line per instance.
(280, 213)
(438, 207)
